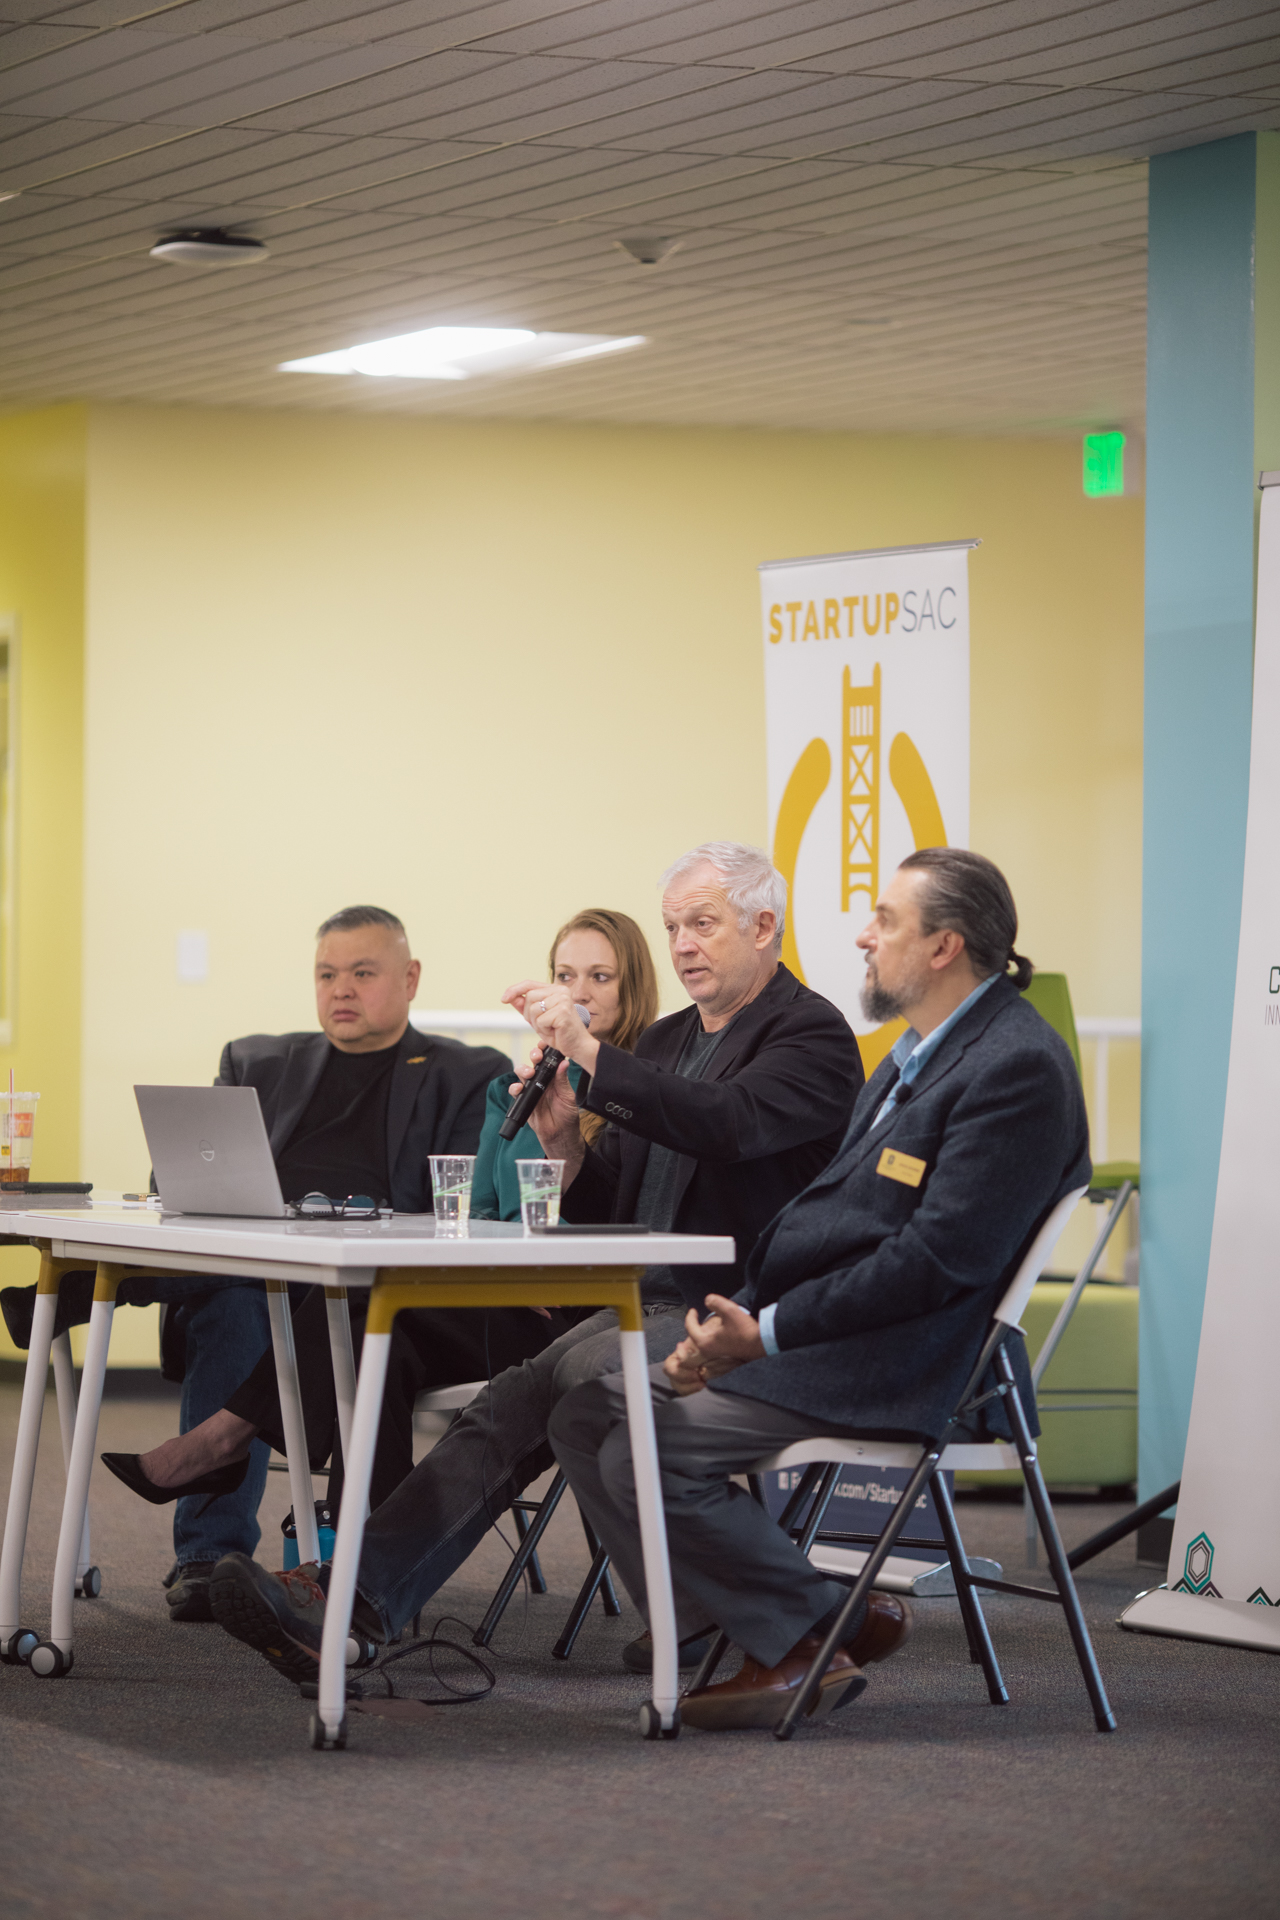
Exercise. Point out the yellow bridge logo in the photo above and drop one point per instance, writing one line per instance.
(860, 816)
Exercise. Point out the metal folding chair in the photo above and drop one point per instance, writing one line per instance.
(822, 1459)
(531, 1520)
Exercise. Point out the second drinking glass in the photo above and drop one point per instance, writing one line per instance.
(539, 1192)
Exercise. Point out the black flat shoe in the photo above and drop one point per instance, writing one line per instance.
(127, 1467)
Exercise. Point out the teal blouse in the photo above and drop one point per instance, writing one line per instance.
(495, 1190)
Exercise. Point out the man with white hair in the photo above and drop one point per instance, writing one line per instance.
(722, 1116)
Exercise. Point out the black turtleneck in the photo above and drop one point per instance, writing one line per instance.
(339, 1145)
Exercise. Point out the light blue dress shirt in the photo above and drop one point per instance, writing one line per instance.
(910, 1053)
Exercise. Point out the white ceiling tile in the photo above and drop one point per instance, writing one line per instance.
(962, 173)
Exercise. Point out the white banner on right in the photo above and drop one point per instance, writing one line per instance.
(1223, 1581)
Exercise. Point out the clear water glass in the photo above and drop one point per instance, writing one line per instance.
(539, 1192)
(451, 1177)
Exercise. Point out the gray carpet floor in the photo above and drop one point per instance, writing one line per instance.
(170, 1774)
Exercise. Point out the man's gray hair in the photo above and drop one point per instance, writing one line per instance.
(751, 880)
(350, 918)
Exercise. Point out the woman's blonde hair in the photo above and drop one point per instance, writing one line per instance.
(637, 984)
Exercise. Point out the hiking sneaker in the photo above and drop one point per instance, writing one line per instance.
(279, 1615)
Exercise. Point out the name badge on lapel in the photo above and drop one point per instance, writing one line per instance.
(901, 1166)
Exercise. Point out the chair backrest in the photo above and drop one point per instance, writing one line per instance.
(1018, 1292)
(1050, 995)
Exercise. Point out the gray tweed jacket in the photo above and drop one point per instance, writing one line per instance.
(885, 1290)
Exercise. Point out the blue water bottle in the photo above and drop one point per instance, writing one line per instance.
(324, 1527)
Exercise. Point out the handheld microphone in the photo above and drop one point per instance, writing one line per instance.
(532, 1091)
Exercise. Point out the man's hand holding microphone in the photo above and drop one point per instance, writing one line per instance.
(558, 1024)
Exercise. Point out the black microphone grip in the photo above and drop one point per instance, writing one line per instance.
(530, 1094)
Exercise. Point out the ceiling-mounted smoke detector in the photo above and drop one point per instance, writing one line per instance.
(650, 250)
(208, 247)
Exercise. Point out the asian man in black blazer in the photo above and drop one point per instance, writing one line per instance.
(865, 1300)
(356, 1108)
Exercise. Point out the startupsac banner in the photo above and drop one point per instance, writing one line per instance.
(1223, 1581)
(866, 662)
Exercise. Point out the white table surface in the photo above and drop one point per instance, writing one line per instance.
(346, 1254)
(355, 1249)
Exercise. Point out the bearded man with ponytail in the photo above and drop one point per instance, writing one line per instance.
(865, 1299)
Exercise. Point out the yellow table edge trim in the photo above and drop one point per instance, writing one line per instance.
(51, 1271)
(111, 1273)
(108, 1275)
(617, 1287)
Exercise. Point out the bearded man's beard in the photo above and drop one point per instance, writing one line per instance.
(879, 1004)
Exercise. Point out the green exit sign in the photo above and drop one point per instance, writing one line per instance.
(1103, 464)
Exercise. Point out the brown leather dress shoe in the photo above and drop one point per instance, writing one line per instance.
(758, 1696)
(886, 1628)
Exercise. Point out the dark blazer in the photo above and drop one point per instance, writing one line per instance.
(885, 1291)
(436, 1104)
(766, 1117)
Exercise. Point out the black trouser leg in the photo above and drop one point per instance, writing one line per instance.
(430, 1347)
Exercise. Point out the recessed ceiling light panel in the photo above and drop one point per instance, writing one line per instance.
(460, 353)
(208, 247)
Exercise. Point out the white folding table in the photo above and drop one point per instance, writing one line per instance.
(401, 1263)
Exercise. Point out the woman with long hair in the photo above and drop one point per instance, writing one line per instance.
(604, 960)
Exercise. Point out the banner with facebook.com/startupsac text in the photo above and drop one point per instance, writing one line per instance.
(866, 661)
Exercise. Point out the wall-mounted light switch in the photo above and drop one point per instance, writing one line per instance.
(193, 955)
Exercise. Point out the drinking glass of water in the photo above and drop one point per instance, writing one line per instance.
(539, 1192)
(451, 1177)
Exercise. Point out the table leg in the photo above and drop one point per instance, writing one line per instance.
(295, 1430)
(88, 1580)
(344, 1362)
(663, 1720)
(15, 1641)
(328, 1725)
(53, 1657)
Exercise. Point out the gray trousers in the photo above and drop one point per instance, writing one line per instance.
(421, 1534)
(731, 1564)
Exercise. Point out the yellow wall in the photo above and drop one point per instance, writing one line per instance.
(42, 581)
(488, 672)
(485, 673)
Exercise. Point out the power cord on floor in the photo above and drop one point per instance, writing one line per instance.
(428, 1643)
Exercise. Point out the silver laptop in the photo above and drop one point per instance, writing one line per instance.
(210, 1151)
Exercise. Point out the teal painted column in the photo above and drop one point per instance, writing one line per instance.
(1213, 373)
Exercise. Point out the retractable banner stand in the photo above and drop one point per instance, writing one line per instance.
(866, 662)
(1223, 1581)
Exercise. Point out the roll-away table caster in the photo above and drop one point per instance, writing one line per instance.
(89, 1584)
(651, 1723)
(326, 1740)
(49, 1662)
(17, 1649)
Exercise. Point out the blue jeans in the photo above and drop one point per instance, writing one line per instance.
(226, 1330)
